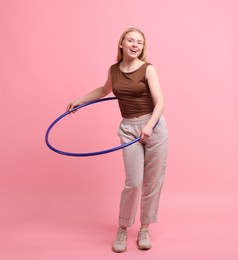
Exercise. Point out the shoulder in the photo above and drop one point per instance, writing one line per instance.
(113, 71)
(149, 67)
(150, 71)
(114, 66)
(144, 66)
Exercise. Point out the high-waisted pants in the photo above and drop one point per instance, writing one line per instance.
(145, 166)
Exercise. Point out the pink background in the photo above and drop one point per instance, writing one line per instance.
(57, 207)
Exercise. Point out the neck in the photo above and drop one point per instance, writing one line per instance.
(130, 64)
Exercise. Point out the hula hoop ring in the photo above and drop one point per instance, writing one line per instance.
(91, 153)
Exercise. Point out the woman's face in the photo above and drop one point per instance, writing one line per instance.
(132, 45)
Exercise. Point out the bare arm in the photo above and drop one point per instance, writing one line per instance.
(158, 99)
(93, 95)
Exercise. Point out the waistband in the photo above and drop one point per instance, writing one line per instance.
(136, 120)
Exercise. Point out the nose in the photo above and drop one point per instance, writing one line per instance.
(135, 44)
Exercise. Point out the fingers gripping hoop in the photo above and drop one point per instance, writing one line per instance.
(84, 154)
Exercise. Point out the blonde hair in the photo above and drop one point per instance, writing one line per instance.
(120, 51)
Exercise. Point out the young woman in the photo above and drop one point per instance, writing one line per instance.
(135, 83)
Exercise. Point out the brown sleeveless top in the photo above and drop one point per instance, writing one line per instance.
(132, 91)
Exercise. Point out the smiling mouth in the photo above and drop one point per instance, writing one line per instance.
(133, 51)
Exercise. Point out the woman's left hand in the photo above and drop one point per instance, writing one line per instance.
(145, 133)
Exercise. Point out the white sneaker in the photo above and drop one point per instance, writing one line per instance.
(143, 240)
(119, 244)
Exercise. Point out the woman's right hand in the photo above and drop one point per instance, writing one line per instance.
(72, 105)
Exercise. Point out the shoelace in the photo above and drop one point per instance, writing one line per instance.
(121, 235)
(143, 234)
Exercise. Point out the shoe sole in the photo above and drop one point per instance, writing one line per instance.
(118, 251)
(143, 247)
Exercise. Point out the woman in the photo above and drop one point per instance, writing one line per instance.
(135, 83)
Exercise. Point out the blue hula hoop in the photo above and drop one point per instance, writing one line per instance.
(84, 154)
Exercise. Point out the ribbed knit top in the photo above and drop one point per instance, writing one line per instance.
(132, 91)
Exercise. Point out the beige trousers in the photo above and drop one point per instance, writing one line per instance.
(145, 166)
